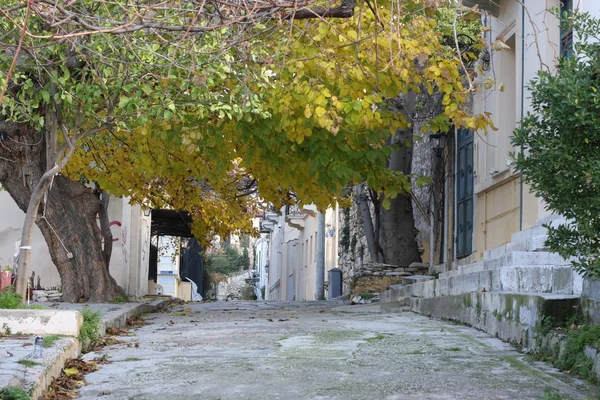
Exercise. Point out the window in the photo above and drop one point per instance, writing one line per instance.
(566, 30)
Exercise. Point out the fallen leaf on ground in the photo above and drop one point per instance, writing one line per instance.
(71, 371)
(114, 331)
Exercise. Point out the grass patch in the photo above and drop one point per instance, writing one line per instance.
(90, 329)
(14, 393)
(28, 363)
(375, 338)
(454, 349)
(551, 394)
(573, 360)
(119, 299)
(132, 359)
(415, 352)
(9, 299)
(50, 339)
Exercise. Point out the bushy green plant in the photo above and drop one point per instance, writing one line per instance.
(90, 329)
(9, 299)
(560, 146)
(13, 393)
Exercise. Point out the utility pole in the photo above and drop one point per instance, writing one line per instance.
(321, 256)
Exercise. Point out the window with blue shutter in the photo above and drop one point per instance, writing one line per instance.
(464, 193)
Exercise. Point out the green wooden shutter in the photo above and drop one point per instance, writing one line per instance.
(464, 193)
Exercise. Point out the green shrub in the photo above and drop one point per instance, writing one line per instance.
(573, 358)
(14, 393)
(90, 329)
(9, 299)
(559, 142)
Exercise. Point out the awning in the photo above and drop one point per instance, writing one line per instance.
(171, 223)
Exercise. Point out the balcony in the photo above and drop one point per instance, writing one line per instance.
(491, 6)
(294, 216)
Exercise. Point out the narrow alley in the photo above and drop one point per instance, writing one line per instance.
(316, 350)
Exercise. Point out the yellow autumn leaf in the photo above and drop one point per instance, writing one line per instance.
(71, 371)
(320, 112)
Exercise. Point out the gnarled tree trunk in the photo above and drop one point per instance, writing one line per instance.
(66, 217)
(397, 232)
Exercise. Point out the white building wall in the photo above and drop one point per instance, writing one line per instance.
(11, 226)
(131, 237)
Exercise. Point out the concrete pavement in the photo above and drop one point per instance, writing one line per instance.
(317, 350)
(19, 368)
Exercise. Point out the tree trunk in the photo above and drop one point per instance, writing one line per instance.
(66, 217)
(362, 203)
(397, 231)
(107, 238)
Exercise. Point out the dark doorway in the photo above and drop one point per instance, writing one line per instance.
(192, 264)
(464, 193)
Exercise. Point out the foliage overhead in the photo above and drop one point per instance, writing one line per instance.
(560, 147)
(198, 118)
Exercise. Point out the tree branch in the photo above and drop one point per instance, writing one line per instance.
(344, 10)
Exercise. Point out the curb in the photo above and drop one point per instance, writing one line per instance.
(71, 347)
(120, 319)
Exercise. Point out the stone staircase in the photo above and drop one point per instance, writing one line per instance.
(507, 294)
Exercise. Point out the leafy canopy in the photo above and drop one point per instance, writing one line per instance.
(302, 108)
(560, 142)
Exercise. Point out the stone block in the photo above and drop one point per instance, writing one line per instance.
(577, 283)
(537, 243)
(42, 322)
(442, 288)
(535, 279)
(417, 289)
(429, 288)
(394, 273)
(562, 280)
(407, 280)
(485, 280)
(496, 252)
(470, 268)
(419, 265)
(519, 258)
(448, 274)
(496, 280)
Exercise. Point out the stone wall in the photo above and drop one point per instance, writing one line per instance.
(353, 250)
(234, 288)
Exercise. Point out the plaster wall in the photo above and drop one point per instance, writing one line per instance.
(131, 236)
(503, 205)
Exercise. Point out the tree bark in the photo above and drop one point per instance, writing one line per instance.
(107, 238)
(66, 218)
(362, 202)
(397, 234)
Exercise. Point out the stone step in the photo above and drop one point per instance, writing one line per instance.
(409, 280)
(557, 279)
(527, 234)
(448, 274)
(537, 243)
(470, 268)
(518, 258)
(532, 279)
(506, 315)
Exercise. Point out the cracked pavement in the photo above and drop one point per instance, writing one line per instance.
(316, 350)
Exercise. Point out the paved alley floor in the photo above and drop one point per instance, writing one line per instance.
(317, 350)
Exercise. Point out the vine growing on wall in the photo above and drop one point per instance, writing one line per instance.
(345, 235)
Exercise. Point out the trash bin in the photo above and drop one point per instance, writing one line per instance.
(335, 283)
